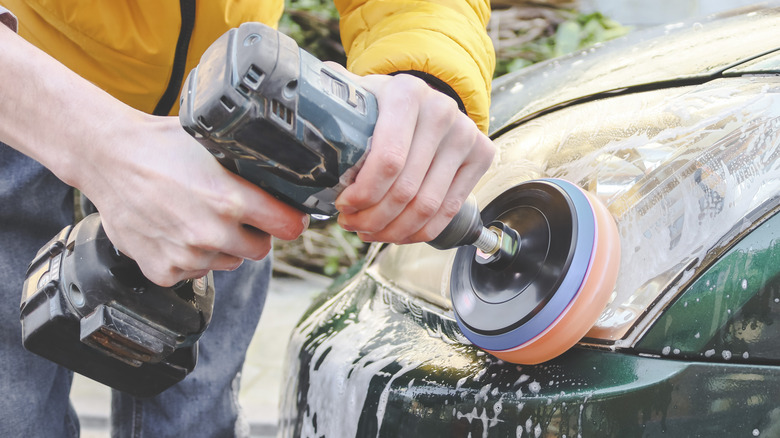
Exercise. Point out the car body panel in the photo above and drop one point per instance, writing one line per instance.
(731, 313)
(375, 363)
(687, 52)
(690, 170)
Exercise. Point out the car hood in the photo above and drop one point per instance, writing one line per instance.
(677, 54)
(685, 166)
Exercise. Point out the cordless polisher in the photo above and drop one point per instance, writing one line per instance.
(525, 288)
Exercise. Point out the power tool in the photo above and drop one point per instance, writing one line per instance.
(280, 118)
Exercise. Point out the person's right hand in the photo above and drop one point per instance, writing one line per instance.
(169, 205)
(164, 200)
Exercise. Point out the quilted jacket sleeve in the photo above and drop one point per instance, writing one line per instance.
(442, 38)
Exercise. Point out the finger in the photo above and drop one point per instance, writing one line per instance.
(391, 142)
(403, 190)
(462, 186)
(208, 261)
(453, 149)
(437, 202)
(225, 262)
(170, 275)
(264, 212)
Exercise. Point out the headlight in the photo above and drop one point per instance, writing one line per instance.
(679, 169)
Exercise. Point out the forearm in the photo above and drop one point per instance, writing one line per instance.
(164, 200)
(53, 115)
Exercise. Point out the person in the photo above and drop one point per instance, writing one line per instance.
(89, 97)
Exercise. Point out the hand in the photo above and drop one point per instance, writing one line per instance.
(426, 156)
(169, 205)
(164, 200)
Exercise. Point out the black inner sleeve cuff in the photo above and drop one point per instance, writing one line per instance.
(437, 84)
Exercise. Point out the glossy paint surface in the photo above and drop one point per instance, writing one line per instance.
(679, 135)
(374, 363)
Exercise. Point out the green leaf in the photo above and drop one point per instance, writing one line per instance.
(567, 37)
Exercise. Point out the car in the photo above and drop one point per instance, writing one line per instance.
(676, 130)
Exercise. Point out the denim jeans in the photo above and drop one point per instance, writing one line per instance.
(34, 392)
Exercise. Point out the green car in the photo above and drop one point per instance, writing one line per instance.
(677, 131)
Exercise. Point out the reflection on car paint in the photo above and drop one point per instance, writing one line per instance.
(688, 163)
(679, 169)
(700, 50)
(372, 357)
(729, 313)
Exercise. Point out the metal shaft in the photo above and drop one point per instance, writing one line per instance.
(488, 241)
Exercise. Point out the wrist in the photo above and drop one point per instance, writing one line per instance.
(437, 84)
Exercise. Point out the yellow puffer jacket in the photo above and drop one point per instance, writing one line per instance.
(128, 47)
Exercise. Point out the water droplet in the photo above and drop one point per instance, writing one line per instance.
(726, 354)
(744, 283)
(666, 350)
(756, 432)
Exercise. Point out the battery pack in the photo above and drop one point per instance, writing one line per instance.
(88, 308)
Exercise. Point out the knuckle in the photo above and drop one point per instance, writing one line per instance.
(231, 206)
(289, 232)
(161, 276)
(485, 148)
(409, 84)
(426, 206)
(209, 239)
(232, 263)
(291, 229)
(444, 108)
(188, 261)
(403, 191)
(393, 159)
(450, 207)
(426, 234)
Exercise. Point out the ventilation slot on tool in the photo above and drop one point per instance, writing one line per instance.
(204, 124)
(227, 103)
(253, 77)
(282, 112)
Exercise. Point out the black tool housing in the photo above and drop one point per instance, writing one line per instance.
(87, 307)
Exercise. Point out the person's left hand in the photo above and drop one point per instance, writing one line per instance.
(426, 156)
